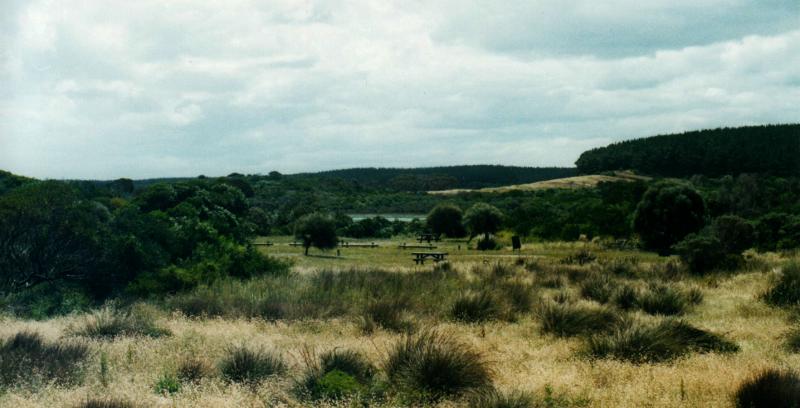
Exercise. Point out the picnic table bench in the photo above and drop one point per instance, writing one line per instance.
(406, 246)
(345, 244)
(420, 257)
(263, 244)
(428, 237)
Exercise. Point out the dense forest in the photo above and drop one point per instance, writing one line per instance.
(773, 149)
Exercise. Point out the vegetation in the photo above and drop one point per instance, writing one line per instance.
(316, 230)
(26, 359)
(786, 291)
(446, 219)
(484, 219)
(251, 366)
(139, 320)
(769, 388)
(667, 214)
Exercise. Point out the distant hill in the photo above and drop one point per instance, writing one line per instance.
(772, 149)
(441, 178)
(562, 183)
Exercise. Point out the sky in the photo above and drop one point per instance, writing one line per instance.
(106, 89)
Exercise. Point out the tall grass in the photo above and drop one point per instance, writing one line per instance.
(251, 365)
(786, 291)
(565, 320)
(109, 322)
(27, 359)
(769, 389)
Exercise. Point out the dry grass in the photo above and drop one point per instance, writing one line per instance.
(563, 183)
(523, 359)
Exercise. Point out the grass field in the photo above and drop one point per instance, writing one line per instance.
(519, 352)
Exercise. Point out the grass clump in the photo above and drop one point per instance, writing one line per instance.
(769, 389)
(167, 384)
(433, 365)
(193, 370)
(598, 287)
(476, 308)
(386, 314)
(250, 366)
(27, 359)
(105, 403)
(565, 320)
(519, 295)
(786, 292)
(109, 322)
(641, 343)
(337, 374)
(495, 399)
(664, 300)
(793, 340)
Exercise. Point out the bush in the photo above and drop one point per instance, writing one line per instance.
(581, 257)
(432, 365)
(701, 253)
(734, 233)
(476, 308)
(598, 287)
(105, 403)
(488, 244)
(519, 295)
(626, 297)
(386, 314)
(250, 366)
(26, 359)
(664, 341)
(793, 340)
(565, 320)
(668, 213)
(167, 384)
(495, 399)
(193, 369)
(769, 389)
(338, 373)
(786, 292)
(139, 320)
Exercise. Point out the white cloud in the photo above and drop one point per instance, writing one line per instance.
(143, 89)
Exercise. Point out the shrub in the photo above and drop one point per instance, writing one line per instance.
(488, 244)
(626, 297)
(475, 308)
(666, 214)
(569, 320)
(581, 257)
(786, 292)
(769, 389)
(139, 320)
(167, 384)
(245, 365)
(734, 233)
(598, 287)
(26, 359)
(519, 295)
(338, 373)
(433, 365)
(105, 403)
(663, 300)
(793, 340)
(193, 369)
(553, 282)
(640, 343)
(702, 253)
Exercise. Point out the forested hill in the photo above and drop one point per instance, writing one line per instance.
(772, 149)
(442, 178)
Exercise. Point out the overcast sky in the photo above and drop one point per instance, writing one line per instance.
(107, 89)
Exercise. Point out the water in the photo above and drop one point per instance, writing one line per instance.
(390, 217)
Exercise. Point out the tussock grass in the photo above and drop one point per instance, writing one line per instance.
(476, 308)
(660, 299)
(565, 320)
(336, 374)
(194, 369)
(251, 366)
(432, 365)
(106, 403)
(387, 314)
(110, 322)
(495, 399)
(598, 287)
(26, 359)
(669, 339)
(786, 291)
(769, 389)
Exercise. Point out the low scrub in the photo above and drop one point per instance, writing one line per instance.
(167, 384)
(598, 287)
(27, 359)
(495, 399)
(793, 340)
(581, 257)
(641, 343)
(109, 322)
(433, 365)
(476, 308)
(769, 389)
(337, 374)
(106, 403)
(565, 320)
(660, 299)
(251, 366)
(786, 291)
(519, 295)
(194, 369)
(388, 315)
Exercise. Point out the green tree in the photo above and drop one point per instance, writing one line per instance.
(484, 219)
(316, 230)
(667, 214)
(734, 233)
(446, 219)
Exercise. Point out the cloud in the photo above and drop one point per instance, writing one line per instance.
(146, 89)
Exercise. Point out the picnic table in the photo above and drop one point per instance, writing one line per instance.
(420, 257)
(406, 246)
(428, 237)
(263, 244)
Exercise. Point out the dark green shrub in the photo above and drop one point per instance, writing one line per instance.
(786, 292)
(626, 297)
(139, 320)
(793, 340)
(662, 299)
(476, 308)
(432, 365)
(167, 384)
(488, 244)
(336, 384)
(349, 362)
(194, 369)
(598, 287)
(769, 389)
(565, 320)
(245, 365)
(105, 403)
(446, 219)
(26, 359)
(640, 343)
(702, 253)
(336, 374)
(734, 233)
(668, 213)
